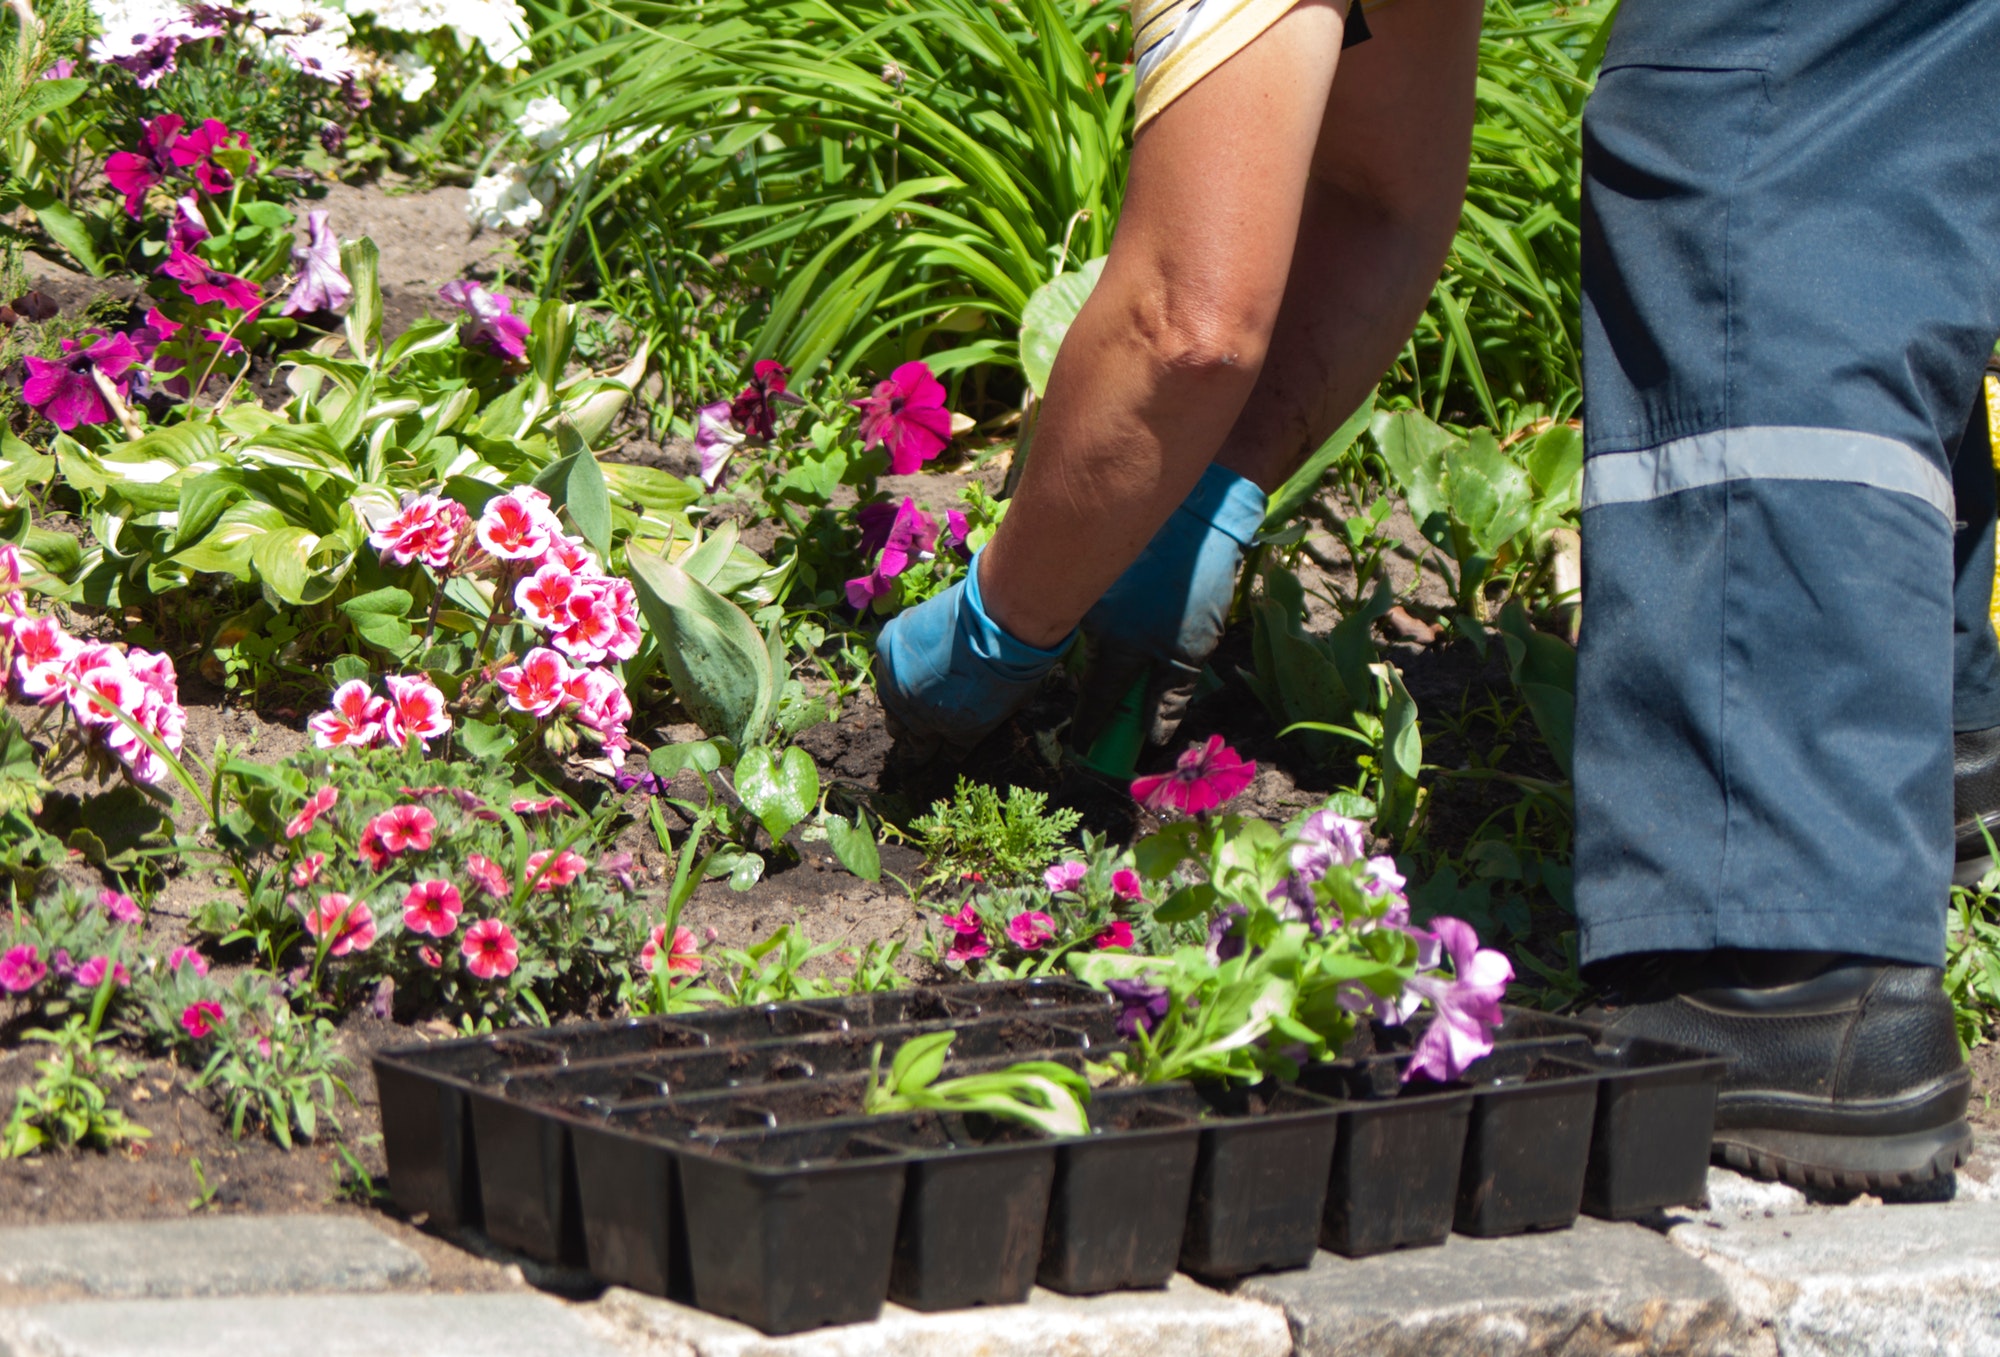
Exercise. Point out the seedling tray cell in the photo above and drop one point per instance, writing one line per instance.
(1394, 1182)
(765, 1022)
(1119, 1203)
(793, 1230)
(1527, 1144)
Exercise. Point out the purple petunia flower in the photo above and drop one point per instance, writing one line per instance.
(321, 285)
(1225, 942)
(64, 391)
(205, 284)
(1466, 1008)
(489, 322)
(716, 437)
(1145, 1006)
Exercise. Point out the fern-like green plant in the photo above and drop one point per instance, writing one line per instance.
(1003, 841)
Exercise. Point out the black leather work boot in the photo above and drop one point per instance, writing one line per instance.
(1975, 797)
(1844, 1072)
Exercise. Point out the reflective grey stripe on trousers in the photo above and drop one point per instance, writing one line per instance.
(1792, 281)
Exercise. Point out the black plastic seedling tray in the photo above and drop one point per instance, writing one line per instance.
(792, 1230)
(1528, 1142)
(1655, 1119)
(1260, 1178)
(529, 1174)
(1039, 997)
(1394, 1180)
(1119, 1203)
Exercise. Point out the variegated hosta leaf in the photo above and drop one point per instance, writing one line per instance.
(225, 549)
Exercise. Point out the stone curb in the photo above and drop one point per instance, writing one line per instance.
(208, 1256)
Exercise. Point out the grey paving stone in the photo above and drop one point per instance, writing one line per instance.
(1733, 1194)
(494, 1324)
(1597, 1288)
(1884, 1281)
(208, 1256)
(1185, 1320)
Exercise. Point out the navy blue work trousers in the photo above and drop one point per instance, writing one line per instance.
(1791, 268)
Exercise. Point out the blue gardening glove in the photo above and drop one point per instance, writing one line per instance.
(947, 674)
(1164, 616)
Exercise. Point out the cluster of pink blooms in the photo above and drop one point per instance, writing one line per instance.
(22, 967)
(47, 665)
(591, 618)
(357, 718)
(898, 536)
(1032, 929)
(905, 416)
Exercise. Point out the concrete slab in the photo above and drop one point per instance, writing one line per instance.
(475, 1325)
(1597, 1288)
(208, 1256)
(1184, 1320)
(1864, 1281)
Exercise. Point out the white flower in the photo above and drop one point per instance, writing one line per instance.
(418, 75)
(301, 17)
(323, 56)
(499, 26)
(542, 121)
(503, 199)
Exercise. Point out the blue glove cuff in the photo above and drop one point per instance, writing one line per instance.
(1009, 656)
(1227, 502)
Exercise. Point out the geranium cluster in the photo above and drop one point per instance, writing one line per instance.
(553, 581)
(414, 709)
(47, 666)
(897, 537)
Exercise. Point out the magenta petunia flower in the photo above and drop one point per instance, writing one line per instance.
(1117, 933)
(321, 286)
(969, 941)
(64, 390)
(201, 1017)
(490, 951)
(21, 969)
(120, 906)
(1465, 1008)
(188, 957)
(489, 322)
(906, 415)
(204, 284)
(753, 411)
(1203, 778)
(896, 538)
(196, 152)
(1030, 929)
(1328, 840)
(132, 173)
(149, 54)
(1125, 885)
(91, 973)
(186, 228)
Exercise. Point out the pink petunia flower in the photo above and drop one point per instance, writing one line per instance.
(489, 323)
(906, 415)
(65, 390)
(308, 869)
(404, 828)
(682, 954)
(1030, 929)
(549, 871)
(201, 1017)
(429, 956)
(132, 173)
(1465, 1008)
(91, 973)
(970, 940)
(188, 957)
(349, 923)
(21, 969)
(186, 228)
(196, 152)
(487, 875)
(1203, 778)
(354, 718)
(1125, 885)
(535, 685)
(120, 906)
(715, 438)
(1065, 876)
(318, 804)
(432, 907)
(416, 711)
(490, 951)
(204, 284)
(545, 806)
(1117, 933)
(753, 410)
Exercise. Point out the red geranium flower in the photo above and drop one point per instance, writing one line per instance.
(1203, 778)
(906, 415)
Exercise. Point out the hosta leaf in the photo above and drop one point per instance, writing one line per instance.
(1050, 311)
(712, 652)
(280, 559)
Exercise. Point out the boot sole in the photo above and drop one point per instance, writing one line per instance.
(1850, 1163)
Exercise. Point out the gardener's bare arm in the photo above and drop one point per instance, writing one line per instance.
(1164, 355)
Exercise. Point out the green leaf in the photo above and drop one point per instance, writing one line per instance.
(854, 844)
(1052, 308)
(64, 227)
(21, 784)
(919, 1061)
(361, 262)
(1160, 852)
(486, 740)
(348, 668)
(1301, 484)
(381, 618)
(1189, 902)
(779, 792)
(280, 558)
(700, 755)
(575, 481)
(713, 654)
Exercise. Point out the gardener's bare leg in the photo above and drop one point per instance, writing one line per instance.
(1382, 203)
(1164, 355)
